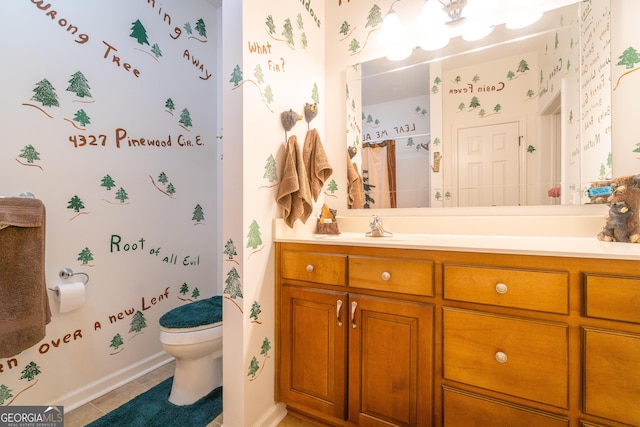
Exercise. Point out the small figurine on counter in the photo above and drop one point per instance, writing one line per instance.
(623, 224)
(327, 223)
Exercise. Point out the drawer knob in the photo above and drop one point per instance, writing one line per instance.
(310, 268)
(501, 288)
(386, 276)
(501, 357)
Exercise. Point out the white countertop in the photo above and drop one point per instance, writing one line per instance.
(582, 247)
(568, 236)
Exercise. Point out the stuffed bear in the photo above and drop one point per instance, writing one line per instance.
(623, 223)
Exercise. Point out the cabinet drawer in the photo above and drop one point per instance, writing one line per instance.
(520, 357)
(612, 375)
(463, 409)
(393, 275)
(527, 289)
(314, 267)
(612, 297)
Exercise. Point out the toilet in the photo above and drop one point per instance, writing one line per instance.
(192, 333)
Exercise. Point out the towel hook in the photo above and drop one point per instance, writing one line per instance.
(66, 273)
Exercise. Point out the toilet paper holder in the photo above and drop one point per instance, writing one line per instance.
(67, 273)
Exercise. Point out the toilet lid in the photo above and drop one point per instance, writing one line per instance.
(192, 315)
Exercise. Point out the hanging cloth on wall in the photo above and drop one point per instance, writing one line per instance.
(24, 303)
(355, 189)
(379, 174)
(294, 195)
(316, 162)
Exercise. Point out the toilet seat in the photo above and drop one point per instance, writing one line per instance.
(193, 316)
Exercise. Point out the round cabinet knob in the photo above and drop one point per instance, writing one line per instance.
(501, 357)
(501, 288)
(310, 268)
(386, 276)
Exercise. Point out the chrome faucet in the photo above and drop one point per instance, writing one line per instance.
(376, 228)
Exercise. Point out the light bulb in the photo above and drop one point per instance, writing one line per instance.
(392, 30)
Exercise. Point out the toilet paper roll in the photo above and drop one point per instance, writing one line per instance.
(70, 296)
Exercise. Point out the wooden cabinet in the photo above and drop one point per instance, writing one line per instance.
(313, 350)
(355, 355)
(390, 360)
(397, 337)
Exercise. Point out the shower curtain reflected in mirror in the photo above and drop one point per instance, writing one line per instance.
(379, 174)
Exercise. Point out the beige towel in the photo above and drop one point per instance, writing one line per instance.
(355, 188)
(24, 303)
(315, 162)
(293, 192)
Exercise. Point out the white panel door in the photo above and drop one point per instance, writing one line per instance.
(488, 165)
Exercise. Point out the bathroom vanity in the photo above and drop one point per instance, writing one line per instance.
(427, 330)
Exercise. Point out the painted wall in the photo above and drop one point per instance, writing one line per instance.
(273, 62)
(109, 117)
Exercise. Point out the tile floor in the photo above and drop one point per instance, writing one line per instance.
(98, 407)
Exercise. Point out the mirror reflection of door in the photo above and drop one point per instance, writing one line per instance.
(488, 165)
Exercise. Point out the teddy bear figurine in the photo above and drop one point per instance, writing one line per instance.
(623, 223)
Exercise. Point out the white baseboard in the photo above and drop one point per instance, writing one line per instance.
(273, 416)
(106, 384)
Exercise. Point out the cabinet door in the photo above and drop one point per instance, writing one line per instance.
(313, 350)
(390, 362)
(612, 375)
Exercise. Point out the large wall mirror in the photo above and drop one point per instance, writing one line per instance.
(521, 117)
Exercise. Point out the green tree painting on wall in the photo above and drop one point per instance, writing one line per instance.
(185, 118)
(196, 293)
(255, 312)
(187, 28)
(270, 25)
(184, 288)
(30, 372)
(116, 341)
(254, 239)
(198, 214)
(5, 394)
(76, 204)
(170, 105)
(254, 367)
(230, 249)
(287, 32)
(139, 33)
(121, 195)
(29, 153)
(629, 58)
(81, 117)
(344, 28)
(155, 49)
(233, 286)
(333, 186)
(79, 85)
(45, 93)
(270, 169)
(138, 322)
(85, 256)
(201, 28)
(374, 17)
(107, 182)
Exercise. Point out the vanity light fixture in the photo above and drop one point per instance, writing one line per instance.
(442, 20)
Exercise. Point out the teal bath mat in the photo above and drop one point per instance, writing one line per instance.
(152, 409)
